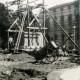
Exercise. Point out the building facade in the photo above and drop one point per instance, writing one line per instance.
(67, 16)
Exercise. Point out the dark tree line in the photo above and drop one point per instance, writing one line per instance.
(4, 24)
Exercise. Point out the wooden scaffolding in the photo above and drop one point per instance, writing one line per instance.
(29, 25)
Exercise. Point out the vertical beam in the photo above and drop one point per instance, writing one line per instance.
(18, 4)
(74, 27)
(79, 22)
(43, 22)
(28, 24)
(8, 40)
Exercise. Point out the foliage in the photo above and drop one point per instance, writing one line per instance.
(4, 24)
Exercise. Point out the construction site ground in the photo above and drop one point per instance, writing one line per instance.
(21, 66)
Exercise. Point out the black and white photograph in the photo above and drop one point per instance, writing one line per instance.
(39, 39)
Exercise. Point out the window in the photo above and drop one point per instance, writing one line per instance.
(62, 21)
(70, 20)
(55, 17)
(69, 7)
(62, 37)
(55, 37)
(76, 4)
(61, 8)
(54, 10)
(55, 24)
(77, 20)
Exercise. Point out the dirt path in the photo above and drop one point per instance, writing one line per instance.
(26, 63)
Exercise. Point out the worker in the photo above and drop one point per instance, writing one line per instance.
(10, 43)
(65, 50)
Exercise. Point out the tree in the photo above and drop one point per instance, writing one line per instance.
(4, 24)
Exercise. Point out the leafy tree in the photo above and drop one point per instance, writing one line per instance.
(4, 24)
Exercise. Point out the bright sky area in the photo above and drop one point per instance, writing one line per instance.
(49, 3)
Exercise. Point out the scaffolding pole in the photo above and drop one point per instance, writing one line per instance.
(8, 40)
(79, 22)
(28, 24)
(64, 31)
(43, 22)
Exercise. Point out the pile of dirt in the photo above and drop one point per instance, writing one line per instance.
(21, 74)
(14, 76)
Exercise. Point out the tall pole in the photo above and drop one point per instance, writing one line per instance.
(43, 22)
(8, 40)
(79, 25)
(28, 25)
(79, 22)
(74, 27)
(18, 3)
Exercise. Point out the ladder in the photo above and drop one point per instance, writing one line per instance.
(19, 34)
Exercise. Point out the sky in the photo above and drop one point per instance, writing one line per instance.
(49, 3)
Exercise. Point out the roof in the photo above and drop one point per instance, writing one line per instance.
(63, 5)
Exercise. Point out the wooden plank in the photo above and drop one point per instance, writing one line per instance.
(35, 28)
(13, 23)
(15, 31)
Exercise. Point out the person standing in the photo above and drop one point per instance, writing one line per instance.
(10, 43)
(65, 50)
